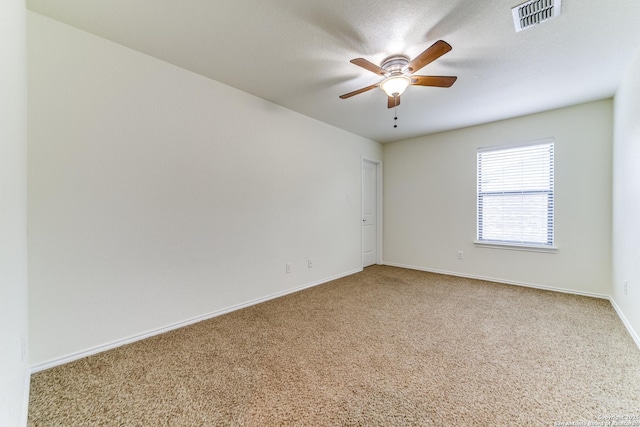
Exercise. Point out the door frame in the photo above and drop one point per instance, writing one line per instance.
(379, 229)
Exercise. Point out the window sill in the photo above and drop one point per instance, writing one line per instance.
(516, 247)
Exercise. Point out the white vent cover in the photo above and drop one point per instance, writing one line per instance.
(534, 12)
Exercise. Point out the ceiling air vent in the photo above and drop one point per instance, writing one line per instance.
(534, 12)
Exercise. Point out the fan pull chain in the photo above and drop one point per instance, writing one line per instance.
(395, 118)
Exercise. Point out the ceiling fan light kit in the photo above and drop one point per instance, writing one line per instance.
(395, 85)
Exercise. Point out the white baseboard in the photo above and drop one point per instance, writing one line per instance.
(98, 349)
(495, 280)
(117, 343)
(626, 323)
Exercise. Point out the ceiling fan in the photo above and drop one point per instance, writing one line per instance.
(398, 70)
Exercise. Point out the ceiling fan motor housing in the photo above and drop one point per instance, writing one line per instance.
(395, 64)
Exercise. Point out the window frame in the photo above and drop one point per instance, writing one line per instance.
(550, 245)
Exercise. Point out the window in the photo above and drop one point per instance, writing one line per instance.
(515, 194)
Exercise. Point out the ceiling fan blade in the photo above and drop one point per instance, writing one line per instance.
(439, 81)
(356, 92)
(361, 62)
(432, 53)
(393, 101)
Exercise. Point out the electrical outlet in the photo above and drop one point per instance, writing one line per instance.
(460, 255)
(310, 263)
(287, 267)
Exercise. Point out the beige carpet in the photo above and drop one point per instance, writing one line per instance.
(385, 347)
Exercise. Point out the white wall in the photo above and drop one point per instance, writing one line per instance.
(430, 201)
(157, 196)
(14, 374)
(626, 199)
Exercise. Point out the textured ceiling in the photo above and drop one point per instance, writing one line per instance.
(296, 53)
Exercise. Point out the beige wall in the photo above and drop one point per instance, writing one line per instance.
(157, 196)
(430, 201)
(626, 199)
(14, 375)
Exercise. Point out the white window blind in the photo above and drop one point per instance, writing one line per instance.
(515, 194)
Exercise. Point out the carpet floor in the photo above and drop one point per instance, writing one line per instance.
(385, 347)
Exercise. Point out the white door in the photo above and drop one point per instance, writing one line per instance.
(369, 210)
